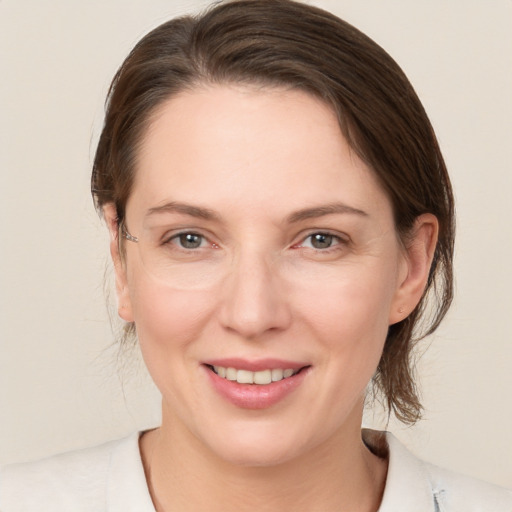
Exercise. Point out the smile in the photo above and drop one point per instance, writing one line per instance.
(261, 377)
(255, 384)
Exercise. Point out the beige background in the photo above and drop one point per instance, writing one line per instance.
(60, 384)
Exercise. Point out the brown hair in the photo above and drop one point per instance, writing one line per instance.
(288, 44)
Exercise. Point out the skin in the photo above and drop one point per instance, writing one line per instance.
(256, 287)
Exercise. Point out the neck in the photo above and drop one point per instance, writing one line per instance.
(340, 474)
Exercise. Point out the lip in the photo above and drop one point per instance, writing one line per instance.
(254, 396)
(256, 365)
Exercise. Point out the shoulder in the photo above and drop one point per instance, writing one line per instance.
(454, 491)
(412, 482)
(91, 479)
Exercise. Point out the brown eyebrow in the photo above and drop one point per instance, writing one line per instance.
(320, 211)
(185, 209)
(300, 215)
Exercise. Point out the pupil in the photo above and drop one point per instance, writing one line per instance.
(321, 241)
(190, 241)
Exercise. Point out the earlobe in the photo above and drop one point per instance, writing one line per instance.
(418, 256)
(123, 296)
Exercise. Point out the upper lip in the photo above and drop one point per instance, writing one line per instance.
(255, 365)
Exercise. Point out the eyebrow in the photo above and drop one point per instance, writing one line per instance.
(321, 211)
(185, 209)
(298, 216)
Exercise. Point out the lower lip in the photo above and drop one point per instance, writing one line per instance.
(255, 396)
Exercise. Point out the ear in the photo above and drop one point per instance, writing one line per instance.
(124, 306)
(415, 267)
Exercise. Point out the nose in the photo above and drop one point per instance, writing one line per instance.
(254, 298)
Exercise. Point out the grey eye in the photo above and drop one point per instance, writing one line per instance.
(322, 240)
(190, 240)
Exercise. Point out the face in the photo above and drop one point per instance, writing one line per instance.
(266, 251)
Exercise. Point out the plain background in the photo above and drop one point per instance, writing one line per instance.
(61, 383)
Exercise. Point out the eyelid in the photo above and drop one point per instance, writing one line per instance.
(341, 237)
(170, 237)
(202, 238)
(171, 233)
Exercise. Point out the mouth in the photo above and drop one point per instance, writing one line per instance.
(257, 384)
(260, 378)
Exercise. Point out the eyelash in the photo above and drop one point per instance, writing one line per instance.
(335, 239)
(175, 240)
(178, 241)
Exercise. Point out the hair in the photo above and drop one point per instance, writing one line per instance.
(283, 43)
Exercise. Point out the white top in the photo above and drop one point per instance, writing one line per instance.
(110, 478)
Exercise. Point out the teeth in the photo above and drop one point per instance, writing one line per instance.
(264, 377)
(277, 374)
(220, 371)
(244, 377)
(247, 377)
(231, 373)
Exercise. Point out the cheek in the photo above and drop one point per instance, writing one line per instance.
(354, 298)
(169, 315)
(168, 320)
(348, 315)
(351, 325)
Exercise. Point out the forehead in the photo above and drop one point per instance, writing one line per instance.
(226, 145)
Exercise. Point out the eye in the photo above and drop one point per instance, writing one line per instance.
(188, 240)
(321, 241)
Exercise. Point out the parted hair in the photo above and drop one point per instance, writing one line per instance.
(283, 43)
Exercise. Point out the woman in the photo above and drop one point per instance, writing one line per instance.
(280, 215)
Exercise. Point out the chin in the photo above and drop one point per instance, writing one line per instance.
(258, 444)
(251, 454)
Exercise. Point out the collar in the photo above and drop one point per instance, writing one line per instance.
(407, 487)
(127, 490)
